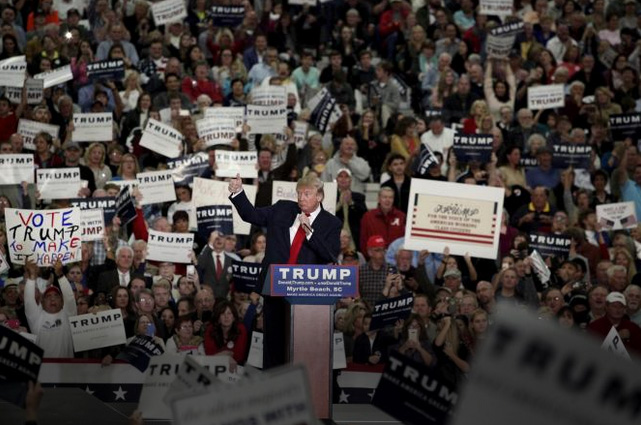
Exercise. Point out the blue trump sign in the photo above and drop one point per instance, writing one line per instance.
(314, 281)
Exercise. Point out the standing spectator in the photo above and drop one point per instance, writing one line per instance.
(615, 305)
(346, 158)
(386, 220)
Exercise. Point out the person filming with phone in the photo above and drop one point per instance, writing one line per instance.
(414, 342)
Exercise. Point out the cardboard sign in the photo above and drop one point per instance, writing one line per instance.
(245, 276)
(211, 192)
(35, 92)
(13, 71)
(496, 7)
(269, 96)
(230, 163)
(168, 11)
(499, 47)
(29, 129)
(216, 132)
(171, 247)
(571, 155)
(107, 205)
(102, 329)
(266, 119)
(20, 361)
(44, 236)
(139, 352)
(508, 29)
(236, 113)
(546, 97)
(255, 357)
(286, 191)
(59, 183)
(162, 138)
(623, 126)
(156, 187)
(473, 147)
(414, 393)
(125, 207)
(339, 359)
(227, 16)
(550, 245)
(614, 344)
(465, 218)
(185, 168)
(110, 69)
(325, 110)
(388, 311)
(93, 127)
(55, 76)
(16, 168)
(314, 281)
(621, 215)
(215, 217)
(531, 371)
(93, 225)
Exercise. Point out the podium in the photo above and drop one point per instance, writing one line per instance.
(311, 292)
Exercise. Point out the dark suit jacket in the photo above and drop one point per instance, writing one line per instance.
(322, 248)
(355, 214)
(207, 272)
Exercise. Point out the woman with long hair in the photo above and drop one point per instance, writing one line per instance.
(500, 92)
(132, 90)
(121, 298)
(414, 342)
(43, 156)
(446, 87)
(226, 334)
(227, 69)
(257, 248)
(95, 159)
(478, 110)
(128, 168)
(450, 351)
(405, 140)
(79, 63)
(10, 47)
(512, 172)
(136, 117)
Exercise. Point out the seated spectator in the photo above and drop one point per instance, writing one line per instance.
(184, 341)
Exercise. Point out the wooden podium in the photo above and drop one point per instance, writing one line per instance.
(311, 292)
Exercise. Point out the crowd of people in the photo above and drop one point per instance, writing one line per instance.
(406, 76)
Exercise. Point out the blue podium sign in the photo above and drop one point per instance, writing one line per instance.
(313, 282)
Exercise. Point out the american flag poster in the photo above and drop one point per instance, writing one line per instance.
(621, 215)
(465, 218)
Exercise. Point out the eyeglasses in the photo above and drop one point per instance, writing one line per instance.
(553, 299)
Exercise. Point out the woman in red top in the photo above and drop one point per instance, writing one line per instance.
(201, 84)
(226, 334)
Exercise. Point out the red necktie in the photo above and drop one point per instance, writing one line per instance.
(297, 244)
(219, 267)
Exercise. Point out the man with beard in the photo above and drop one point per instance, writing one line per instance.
(485, 294)
(633, 299)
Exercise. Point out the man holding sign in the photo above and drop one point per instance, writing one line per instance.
(297, 233)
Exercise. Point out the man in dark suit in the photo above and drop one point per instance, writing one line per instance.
(119, 274)
(213, 265)
(297, 233)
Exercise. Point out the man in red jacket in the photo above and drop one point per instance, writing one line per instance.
(630, 333)
(386, 220)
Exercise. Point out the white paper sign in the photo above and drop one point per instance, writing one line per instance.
(191, 376)
(4, 266)
(496, 7)
(236, 113)
(162, 138)
(102, 329)
(621, 215)
(171, 247)
(255, 357)
(59, 183)
(546, 97)
(212, 192)
(13, 71)
(266, 119)
(93, 127)
(229, 163)
(462, 217)
(269, 96)
(35, 93)
(216, 132)
(16, 168)
(168, 11)
(340, 361)
(29, 129)
(93, 225)
(499, 47)
(156, 187)
(614, 344)
(532, 372)
(300, 133)
(55, 76)
(286, 191)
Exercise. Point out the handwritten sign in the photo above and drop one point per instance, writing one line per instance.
(211, 192)
(93, 225)
(102, 329)
(156, 187)
(168, 11)
(266, 119)
(171, 247)
(216, 132)
(94, 127)
(621, 215)
(16, 168)
(162, 138)
(44, 236)
(230, 163)
(546, 97)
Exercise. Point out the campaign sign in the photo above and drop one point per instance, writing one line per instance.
(168, 11)
(473, 147)
(614, 344)
(20, 361)
(106, 204)
(227, 16)
(508, 29)
(156, 187)
(185, 168)
(314, 281)
(300, 133)
(623, 126)
(530, 371)
(549, 245)
(97, 330)
(93, 127)
(55, 77)
(266, 119)
(621, 215)
(229, 163)
(162, 138)
(93, 225)
(125, 208)
(255, 357)
(216, 131)
(566, 155)
(546, 97)
(388, 311)
(16, 168)
(190, 376)
(499, 47)
(496, 7)
(110, 69)
(13, 71)
(426, 160)
(528, 162)
(207, 192)
(236, 113)
(171, 247)
(35, 92)
(58, 183)
(29, 129)
(139, 352)
(44, 236)
(324, 109)
(245, 276)
(414, 393)
(340, 360)
(215, 217)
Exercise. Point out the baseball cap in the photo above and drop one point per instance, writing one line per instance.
(346, 170)
(51, 289)
(70, 145)
(376, 241)
(452, 273)
(616, 297)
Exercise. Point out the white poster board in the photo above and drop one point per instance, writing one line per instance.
(162, 138)
(28, 129)
(16, 168)
(55, 76)
(216, 131)
(212, 192)
(621, 215)
(93, 127)
(496, 7)
(59, 183)
(546, 96)
(102, 329)
(230, 163)
(340, 361)
(168, 11)
(465, 218)
(269, 96)
(286, 191)
(499, 47)
(266, 119)
(255, 357)
(156, 187)
(171, 247)
(13, 71)
(236, 113)
(93, 225)
(35, 92)
(614, 344)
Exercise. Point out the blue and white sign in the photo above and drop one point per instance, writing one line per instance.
(245, 276)
(314, 281)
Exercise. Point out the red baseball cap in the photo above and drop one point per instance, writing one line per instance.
(50, 290)
(376, 241)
